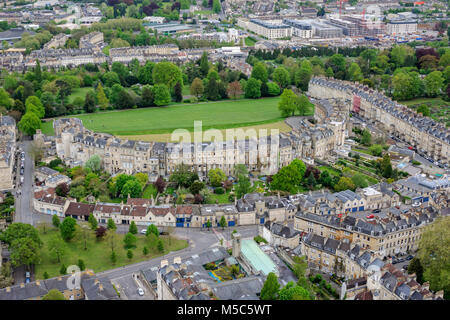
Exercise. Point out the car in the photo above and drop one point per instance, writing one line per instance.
(144, 231)
(410, 257)
(140, 291)
(395, 261)
(27, 274)
(164, 233)
(376, 211)
(405, 267)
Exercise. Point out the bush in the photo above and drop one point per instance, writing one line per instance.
(259, 239)
(219, 190)
(210, 266)
(187, 101)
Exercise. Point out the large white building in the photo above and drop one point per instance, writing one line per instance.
(401, 27)
(270, 29)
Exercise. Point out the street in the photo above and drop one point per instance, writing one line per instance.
(24, 191)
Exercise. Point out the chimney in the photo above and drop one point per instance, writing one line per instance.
(164, 263)
(177, 260)
(100, 287)
(22, 285)
(8, 289)
(38, 282)
(426, 286)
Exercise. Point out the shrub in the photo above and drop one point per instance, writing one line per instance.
(259, 239)
(210, 266)
(219, 190)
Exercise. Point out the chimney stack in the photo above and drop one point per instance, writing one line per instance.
(164, 263)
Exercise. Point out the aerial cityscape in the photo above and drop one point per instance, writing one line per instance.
(224, 150)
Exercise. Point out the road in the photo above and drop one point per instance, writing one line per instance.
(24, 191)
(199, 241)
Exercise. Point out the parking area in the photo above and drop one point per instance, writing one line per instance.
(128, 287)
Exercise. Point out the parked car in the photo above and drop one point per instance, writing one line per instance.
(140, 292)
(376, 211)
(144, 231)
(410, 257)
(405, 267)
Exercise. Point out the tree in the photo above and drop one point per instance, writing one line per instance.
(293, 292)
(204, 65)
(160, 184)
(133, 228)
(303, 75)
(93, 222)
(223, 222)
(94, 163)
(5, 100)
(160, 246)
(113, 257)
(178, 90)
(216, 7)
(100, 232)
(366, 138)
(55, 221)
(152, 229)
(354, 72)
(212, 90)
(63, 269)
(253, 88)
(129, 240)
(111, 225)
(18, 230)
(386, 166)
(424, 110)
(62, 189)
(325, 179)
(67, 228)
(338, 65)
(167, 73)
(376, 150)
(270, 289)
(34, 104)
(24, 251)
(434, 82)
(196, 186)
(197, 88)
(162, 94)
(259, 72)
(243, 186)
(89, 102)
(103, 102)
(57, 247)
(311, 181)
(208, 224)
(359, 181)
(216, 177)
(416, 267)
(288, 103)
(304, 107)
(281, 77)
(132, 188)
(273, 89)
(129, 254)
(54, 294)
(81, 264)
(344, 183)
(29, 123)
(234, 90)
(434, 253)
(145, 251)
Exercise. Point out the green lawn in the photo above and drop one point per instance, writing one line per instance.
(218, 115)
(149, 191)
(249, 41)
(439, 108)
(97, 255)
(79, 92)
(330, 170)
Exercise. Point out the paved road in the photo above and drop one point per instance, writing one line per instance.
(24, 212)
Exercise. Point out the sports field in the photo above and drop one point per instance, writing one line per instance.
(163, 120)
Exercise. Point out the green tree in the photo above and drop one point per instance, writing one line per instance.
(416, 267)
(288, 103)
(204, 65)
(34, 104)
(24, 251)
(162, 94)
(304, 107)
(160, 246)
(359, 180)
(145, 73)
(196, 186)
(197, 88)
(366, 138)
(29, 123)
(63, 269)
(129, 240)
(424, 110)
(133, 228)
(81, 264)
(259, 72)
(93, 222)
(293, 292)
(434, 254)
(113, 257)
(212, 90)
(89, 102)
(434, 82)
(287, 179)
(102, 101)
(130, 254)
(178, 92)
(67, 228)
(57, 247)
(167, 73)
(376, 150)
(354, 72)
(303, 75)
(145, 251)
(152, 229)
(111, 225)
(18, 230)
(216, 177)
(271, 287)
(55, 221)
(386, 166)
(272, 89)
(216, 7)
(344, 183)
(94, 163)
(281, 77)
(243, 186)
(223, 222)
(54, 294)
(5, 100)
(132, 188)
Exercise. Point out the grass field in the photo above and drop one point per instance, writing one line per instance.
(97, 255)
(79, 92)
(149, 191)
(218, 115)
(249, 41)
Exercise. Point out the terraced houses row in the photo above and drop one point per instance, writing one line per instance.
(423, 133)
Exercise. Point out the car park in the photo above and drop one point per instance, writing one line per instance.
(405, 267)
